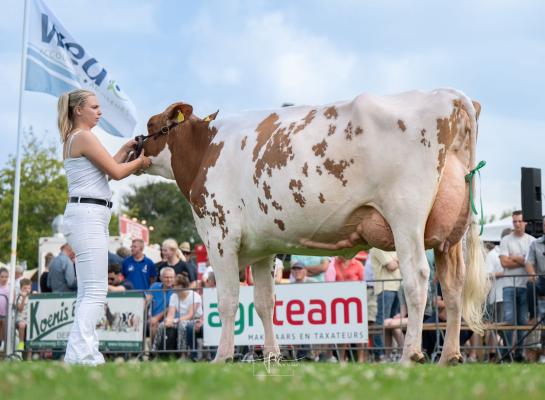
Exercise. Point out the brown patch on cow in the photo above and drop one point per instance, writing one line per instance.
(337, 169)
(331, 130)
(297, 195)
(423, 140)
(295, 184)
(211, 133)
(401, 125)
(264, 130)
(263, 206)
(305, 169)
(322, 198)
(305, 121)
(446, 131)
(318, 170)
(280, 224)
(277, 147)
(217, 217)
(358, 131)
(348, 131)
(199, 193)
(477, 107)
(267, 190)
(243, 143)
(276, 205)
(320, 148)
(220, 249)
(331, 112)
(299, 199)
(291, 127)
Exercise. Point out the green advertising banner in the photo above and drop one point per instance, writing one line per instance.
(121, 328)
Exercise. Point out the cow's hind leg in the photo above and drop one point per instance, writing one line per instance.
(409, 242)
(451, 273)
(227, 283)
(264, 304)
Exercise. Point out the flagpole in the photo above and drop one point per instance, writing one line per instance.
(10, 337)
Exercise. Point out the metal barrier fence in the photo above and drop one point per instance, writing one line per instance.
(183, 336)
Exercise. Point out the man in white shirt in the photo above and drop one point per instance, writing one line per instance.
(495, 273)
(513, 250)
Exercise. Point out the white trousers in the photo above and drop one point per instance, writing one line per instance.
(86, 229)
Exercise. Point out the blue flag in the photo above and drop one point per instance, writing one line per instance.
(57, 63)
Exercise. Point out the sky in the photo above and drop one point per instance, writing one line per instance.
(240, 55)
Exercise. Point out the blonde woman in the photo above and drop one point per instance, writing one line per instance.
(174, 258)
(88, 166)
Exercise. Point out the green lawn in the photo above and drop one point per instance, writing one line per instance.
(173, 380)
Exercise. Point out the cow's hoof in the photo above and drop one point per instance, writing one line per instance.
(418, 358)
(455, 360)
(273, 358)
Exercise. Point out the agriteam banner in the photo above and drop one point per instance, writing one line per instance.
(50, 318)
(303, 313)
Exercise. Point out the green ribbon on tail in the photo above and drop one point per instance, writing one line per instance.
(469, 178)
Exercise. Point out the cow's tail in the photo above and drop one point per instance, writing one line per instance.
(476, 285)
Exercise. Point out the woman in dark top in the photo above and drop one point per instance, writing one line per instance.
(175, 259)
(43, 277)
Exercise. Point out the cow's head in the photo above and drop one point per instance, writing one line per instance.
(177, 138)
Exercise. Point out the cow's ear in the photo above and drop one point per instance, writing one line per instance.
(211, 117)
(180, 113)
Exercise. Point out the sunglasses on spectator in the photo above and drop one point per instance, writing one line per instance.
(186, 252)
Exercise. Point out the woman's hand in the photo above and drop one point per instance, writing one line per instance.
(145, 162)
(129, 146)
(169, 322)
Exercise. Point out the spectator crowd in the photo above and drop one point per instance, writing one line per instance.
(173, 297)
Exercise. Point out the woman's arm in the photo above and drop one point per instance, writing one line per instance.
(169, 320)
(91, 148)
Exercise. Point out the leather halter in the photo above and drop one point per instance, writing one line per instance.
(140, 139)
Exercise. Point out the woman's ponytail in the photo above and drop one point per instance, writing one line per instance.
(64, 121)
(65, 107)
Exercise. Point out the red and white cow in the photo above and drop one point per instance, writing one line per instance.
(376, 171)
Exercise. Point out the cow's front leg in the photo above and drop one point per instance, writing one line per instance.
(227, 283)
(264, 305)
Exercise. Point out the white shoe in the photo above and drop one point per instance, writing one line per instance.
(333, 359)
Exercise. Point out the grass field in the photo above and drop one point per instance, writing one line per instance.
(173, 380)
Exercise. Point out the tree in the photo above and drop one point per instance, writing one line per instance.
(506, 213)
(42, 196)
(164, 207)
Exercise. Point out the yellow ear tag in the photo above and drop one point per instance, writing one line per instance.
(180, 116)
(207, 119)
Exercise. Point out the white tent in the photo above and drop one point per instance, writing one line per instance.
(492, 231)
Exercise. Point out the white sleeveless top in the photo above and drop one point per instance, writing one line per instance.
(84, 179)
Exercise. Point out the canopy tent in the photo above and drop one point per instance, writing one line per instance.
(492, 231)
